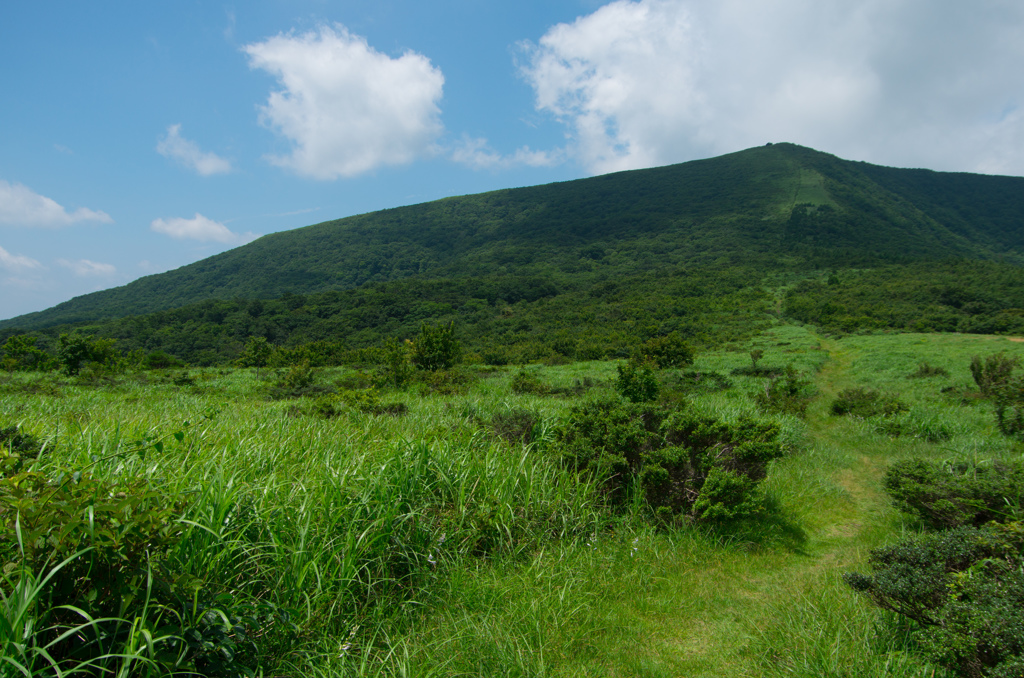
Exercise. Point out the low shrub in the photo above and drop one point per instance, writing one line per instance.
(682, 465)
(924, 370)
(993, 372)
(786, 394)
(636, 382)
(668, 351)
(525, 382)
(454, 381)
(866, 402)
(965, 590)
(515, 425)
(297, 382)
(946, 495)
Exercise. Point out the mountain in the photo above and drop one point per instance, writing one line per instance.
(771, 206)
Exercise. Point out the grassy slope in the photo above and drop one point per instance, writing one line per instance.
(620, 602)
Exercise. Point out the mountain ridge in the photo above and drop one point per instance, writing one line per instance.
(779, 205)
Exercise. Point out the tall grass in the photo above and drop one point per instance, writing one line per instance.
(426, 545)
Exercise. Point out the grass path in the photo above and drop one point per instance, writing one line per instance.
(725, 614)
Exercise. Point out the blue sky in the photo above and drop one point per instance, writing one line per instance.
(136, 137)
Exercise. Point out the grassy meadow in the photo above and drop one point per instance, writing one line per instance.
(431, 534)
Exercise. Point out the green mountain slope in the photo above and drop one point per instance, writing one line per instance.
(768, 207)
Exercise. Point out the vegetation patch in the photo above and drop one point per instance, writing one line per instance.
(681, 465)
(866, 402)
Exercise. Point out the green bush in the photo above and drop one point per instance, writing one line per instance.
(299, 381)
(866, 402)
(516, 425)
(668, 351)
(965, 590)
(786, 394)
(924, 370)
(993, 372)
(396, 369)
(436, 348)
(21, 353)
(528, 382)
(946, 495)
(681, 465)
(636, 382)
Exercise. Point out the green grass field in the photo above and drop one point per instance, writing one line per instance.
(426, 544)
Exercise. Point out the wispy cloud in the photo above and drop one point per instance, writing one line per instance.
(17, 262)
(87, 268)
(21, 206)
(477, 153)
(200, 228)
(188, 153)
(346, 107)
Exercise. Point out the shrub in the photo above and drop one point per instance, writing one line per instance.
(681, 465)
(448, 382)
(636, 382)
(158, 360)
(699, 382)
(668, 351)
(297, 382)
(866, 402)
(964, 588)
(788, 394)
(395, 369)
(515, 425)
(993, 372)
(22, 354)
(945, 495)
(932, 428)
(924, 370)
(528, 382)
(436, 348)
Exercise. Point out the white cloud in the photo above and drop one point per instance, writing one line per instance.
(906, 82)
(200, 228)
(20, 206)
(346, 107)
(477, 153)
(85, 267)
(188, 154)
(17, 262)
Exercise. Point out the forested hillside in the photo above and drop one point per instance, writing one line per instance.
(591, 268)
(775, 206)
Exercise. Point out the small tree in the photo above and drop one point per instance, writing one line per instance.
(755, 356)
(436, 348)
(256, 354)
(76, 350)
(395, 370)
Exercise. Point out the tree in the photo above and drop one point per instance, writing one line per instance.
(256, 354)
(76, 350)
(436, 348)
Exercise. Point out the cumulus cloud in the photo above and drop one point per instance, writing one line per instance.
(906, 82)
(345, 107)
(177, 147)
(200, 228)
(17, 262)
(87, 268)
(21, 206)
(477, 153)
